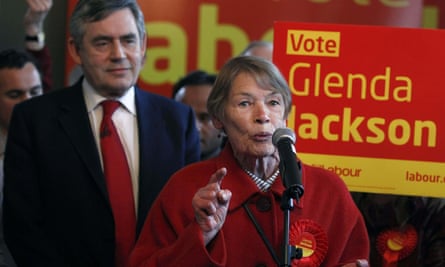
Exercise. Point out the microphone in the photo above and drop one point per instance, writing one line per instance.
(290, 167)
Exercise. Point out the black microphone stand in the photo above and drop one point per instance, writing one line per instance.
(292, 192)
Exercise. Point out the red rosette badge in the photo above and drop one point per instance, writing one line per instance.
(396, 244)
(311, 238)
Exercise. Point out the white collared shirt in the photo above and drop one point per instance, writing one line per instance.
(125, 121)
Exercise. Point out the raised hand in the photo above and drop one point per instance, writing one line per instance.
(211, 204)
(36, 14)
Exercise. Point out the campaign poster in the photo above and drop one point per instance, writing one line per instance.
(368, 103)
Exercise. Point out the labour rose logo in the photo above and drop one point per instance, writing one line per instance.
(312, 240)
(396, 244)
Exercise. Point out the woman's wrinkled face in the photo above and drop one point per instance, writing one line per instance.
(252, 113)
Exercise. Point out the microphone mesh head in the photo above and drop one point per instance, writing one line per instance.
(281, 133)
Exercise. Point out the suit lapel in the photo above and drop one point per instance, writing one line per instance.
(74, 121)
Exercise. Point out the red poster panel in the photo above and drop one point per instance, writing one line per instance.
(186, 35)
(368, 103)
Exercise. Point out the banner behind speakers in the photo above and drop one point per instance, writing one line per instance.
(186, 35)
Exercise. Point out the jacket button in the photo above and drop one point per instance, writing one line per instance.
(263, 204)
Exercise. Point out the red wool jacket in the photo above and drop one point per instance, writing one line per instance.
(326, 222)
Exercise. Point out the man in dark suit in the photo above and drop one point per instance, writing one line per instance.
(57, 205)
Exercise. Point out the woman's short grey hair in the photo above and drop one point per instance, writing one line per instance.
(265, 73)
(87, 11)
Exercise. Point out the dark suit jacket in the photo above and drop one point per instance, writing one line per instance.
(56, 207)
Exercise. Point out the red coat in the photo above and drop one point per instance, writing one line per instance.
(171, 236)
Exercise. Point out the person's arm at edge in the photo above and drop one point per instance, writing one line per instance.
(33, 25)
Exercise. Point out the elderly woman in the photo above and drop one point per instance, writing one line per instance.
(235, 218)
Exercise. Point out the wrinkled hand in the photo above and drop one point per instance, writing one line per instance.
(211, 204)
(36, 14)
(358, 263)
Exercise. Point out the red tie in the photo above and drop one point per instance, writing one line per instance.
(117, 175)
